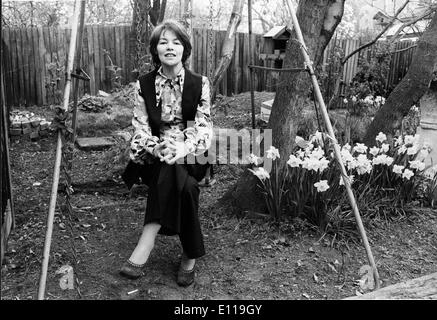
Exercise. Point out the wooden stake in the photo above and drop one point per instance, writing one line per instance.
(51, 214)
(78, 69)
(335, 143)
(251, 59)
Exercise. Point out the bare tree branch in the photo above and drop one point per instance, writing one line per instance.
(406, 24)
(343, 61)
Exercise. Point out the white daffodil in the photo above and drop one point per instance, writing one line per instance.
(346, 156)
(402, 149)
(407, 174)
(360, 148)
(300, 154)
(374, 151)
(317, 137)
(322, 185)
(317, 153)
(382, 159)
(398, 141)
(294, 161)
(354, 99)
(347, 147)
(409, 139)
(310, 164)
(368, 100)
(398, 169)
(253, 159)
(419, 165)
(260, 173)
(351, 165)
(381, 137)
(272, 153)
(385, 147)
(344, 100)
(323, 164)
(363, 165)
(412, 150)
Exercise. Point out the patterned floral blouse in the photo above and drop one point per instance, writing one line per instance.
(197, 138)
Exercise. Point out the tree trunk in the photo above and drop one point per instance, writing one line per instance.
(187, 21)
(407, 93)
(318, 20)
(228, 46)
(157, 12)
(140, 37)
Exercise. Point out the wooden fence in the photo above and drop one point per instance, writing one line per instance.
(35, 60)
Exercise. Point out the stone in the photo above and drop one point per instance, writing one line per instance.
(15, 132)
(25, 124)
(95, 143)
(35, 122)
(27, 130)
(16, 125)
(44, 124)
(34, 135)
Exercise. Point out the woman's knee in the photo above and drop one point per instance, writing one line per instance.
(191, 187)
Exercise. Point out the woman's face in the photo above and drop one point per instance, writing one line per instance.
(170, 49)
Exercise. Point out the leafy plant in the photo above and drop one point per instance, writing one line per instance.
(272, 186)
(384, 178)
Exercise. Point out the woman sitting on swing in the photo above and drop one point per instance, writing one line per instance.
(172, 121)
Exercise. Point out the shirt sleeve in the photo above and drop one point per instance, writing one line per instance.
(198, 137)
(143, 141)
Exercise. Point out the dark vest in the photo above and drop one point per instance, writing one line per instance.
(191, 95)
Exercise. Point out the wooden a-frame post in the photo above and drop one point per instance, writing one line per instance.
(337, 153)
(51, 213)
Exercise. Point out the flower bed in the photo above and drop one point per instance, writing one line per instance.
(386, 176)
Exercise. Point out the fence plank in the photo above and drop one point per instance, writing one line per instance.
(97, 57)
(32, 95)
(46, 61)
(25, 48)
(38, 55)
(91, 58)
(6, 66)
(117, 50)
(121, 61)
(30, 52)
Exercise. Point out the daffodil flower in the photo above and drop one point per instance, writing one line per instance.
(272, 153)
(360, 148)
(381, 137)
(398, 169)
(294, 161)
(260, 173)
(407, 174)
(419, 165)
(322, 185)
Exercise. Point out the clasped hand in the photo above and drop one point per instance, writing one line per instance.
(170, 151)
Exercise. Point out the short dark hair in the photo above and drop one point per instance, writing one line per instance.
(181, 34)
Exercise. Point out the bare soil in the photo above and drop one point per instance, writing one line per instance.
(248, 256)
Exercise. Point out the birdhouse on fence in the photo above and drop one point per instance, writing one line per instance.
(275, 43)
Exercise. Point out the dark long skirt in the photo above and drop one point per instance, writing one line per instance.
(173, 202)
